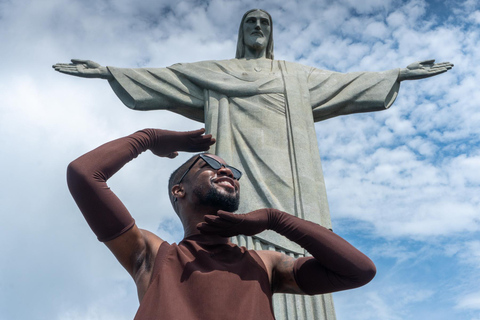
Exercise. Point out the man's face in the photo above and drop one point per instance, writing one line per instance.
(215, 188)
(256, 30)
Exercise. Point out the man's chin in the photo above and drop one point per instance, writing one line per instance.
(230, 205)
(221, 199)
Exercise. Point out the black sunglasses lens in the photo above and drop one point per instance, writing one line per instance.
(217, 165)
(212, 163)
(236, 173)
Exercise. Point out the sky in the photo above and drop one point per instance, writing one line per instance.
(403, 184)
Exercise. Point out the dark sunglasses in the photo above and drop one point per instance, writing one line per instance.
(215, 165)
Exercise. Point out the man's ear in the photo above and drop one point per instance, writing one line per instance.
(178, 191)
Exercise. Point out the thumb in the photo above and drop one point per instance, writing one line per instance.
(172, 155)
(195, 133)
(78, 61)
(235, 218)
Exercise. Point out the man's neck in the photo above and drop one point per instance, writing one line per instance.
(191, 216)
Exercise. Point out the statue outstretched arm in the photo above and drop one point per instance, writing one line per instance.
(423, 69)
(84, 69)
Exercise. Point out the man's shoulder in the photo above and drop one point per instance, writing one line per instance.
(269, 258)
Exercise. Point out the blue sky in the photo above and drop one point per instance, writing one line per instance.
(403, 184)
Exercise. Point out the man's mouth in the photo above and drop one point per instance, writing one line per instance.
(225, 182)
(257, 33)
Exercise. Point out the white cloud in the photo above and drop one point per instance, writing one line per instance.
(470, 254)
(471, 301)
(408, 172)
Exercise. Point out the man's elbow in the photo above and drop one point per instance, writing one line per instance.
(365, 274)
(77, 176)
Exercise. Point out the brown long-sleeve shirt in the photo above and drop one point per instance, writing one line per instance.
(201, 279)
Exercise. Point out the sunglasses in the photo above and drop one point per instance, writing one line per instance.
(215, 165)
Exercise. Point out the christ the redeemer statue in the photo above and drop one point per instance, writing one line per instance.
(262, 113)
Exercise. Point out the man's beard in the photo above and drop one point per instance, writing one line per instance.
(222, 200)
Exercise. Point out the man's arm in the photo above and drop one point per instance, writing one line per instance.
(105, 213)
(336, 265)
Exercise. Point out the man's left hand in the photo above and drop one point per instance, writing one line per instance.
(167, 143)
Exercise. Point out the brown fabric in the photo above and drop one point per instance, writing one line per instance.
(336, 264)
(87, 176)
(207, 280)
(87, 180)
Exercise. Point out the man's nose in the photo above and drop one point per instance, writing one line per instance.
(225, 171)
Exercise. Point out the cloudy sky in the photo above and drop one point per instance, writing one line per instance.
(403, 184)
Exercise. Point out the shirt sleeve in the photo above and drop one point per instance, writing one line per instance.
(87, 181)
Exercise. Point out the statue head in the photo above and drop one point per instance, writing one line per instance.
(241, 37)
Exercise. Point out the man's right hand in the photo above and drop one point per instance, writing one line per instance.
(84, 69)
(167, 143)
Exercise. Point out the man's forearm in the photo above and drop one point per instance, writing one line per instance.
(87, 176)
(336, 264)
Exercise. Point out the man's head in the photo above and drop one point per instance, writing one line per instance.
(256, 30)
(207, 180)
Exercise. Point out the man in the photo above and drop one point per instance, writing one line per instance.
(262, 112)
(205, 276)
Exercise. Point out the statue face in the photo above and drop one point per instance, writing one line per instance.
(256, 30)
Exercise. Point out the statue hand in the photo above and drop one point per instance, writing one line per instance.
(166, 143)
(424, 69)
(228, 224)
(83, 68)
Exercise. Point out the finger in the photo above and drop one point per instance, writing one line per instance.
(67, 71)
(200, 145)
(210, 218)
(218, 223)
(68, 67)
(204, 145)
(79, 61)
(208, 229)
(65, 67)
(210, 142)
(438, 66)
(236, 218)
(201, 137)
(447, 65)
(437, 71)
(61, 65)
(196, 133)
(172, 155)
(431, 61)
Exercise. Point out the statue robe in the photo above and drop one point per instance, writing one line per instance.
(262, 113)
